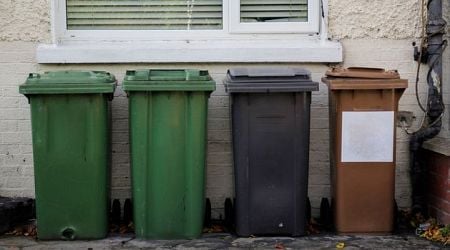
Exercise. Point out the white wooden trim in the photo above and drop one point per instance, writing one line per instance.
(310, 27)
(140, 35)
(323, 20)
(63, 34)
(59, 22)
(305, 50)
(226, 15)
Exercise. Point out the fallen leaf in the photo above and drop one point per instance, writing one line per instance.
(340, 245)
(279, 246)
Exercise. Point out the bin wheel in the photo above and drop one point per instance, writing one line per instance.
(325, 214)
(308, 210)
(229, 213)
(127, 211)
(207, 221)
(115, 212)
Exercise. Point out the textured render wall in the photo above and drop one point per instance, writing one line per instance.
(393, 19)
(373, 33)
(24, 20)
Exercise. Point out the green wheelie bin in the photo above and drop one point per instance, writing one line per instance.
(70, 129)
(168, 119)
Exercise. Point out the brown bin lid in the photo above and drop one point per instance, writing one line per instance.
(363, 78)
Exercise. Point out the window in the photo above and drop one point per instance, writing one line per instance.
(90, 18)
(144, 14)
(171, 26)
(275, 16)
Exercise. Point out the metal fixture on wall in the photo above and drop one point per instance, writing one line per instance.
(430, 51)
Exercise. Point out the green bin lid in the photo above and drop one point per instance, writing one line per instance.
(168, 80)
(68, 82)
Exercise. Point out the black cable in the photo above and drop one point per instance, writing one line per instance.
(322, 10)
(430, 113)
(417, 87)
(442, 46)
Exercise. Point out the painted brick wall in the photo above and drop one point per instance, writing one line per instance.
(438, 185)
(364, 45)
(18, 60)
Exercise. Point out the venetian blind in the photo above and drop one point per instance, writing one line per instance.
(144, 14)
(274, 11)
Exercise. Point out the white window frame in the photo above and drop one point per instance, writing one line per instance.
(236, 42)
(309, 27)
(62, 34)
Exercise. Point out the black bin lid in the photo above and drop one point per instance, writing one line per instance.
(269, 79)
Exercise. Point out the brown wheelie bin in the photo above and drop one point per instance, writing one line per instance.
(363, 105)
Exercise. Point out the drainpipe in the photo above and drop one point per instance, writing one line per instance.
(434, 107)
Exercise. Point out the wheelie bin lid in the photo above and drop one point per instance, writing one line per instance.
(168, 80)
(363, 78)
(269, 79)
(68, 82)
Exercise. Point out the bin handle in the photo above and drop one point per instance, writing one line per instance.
(33, 75)
(68, 233)
(368, 69)
(368, 109)
(110, 97)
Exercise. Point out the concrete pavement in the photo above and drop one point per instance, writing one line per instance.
(227, 241)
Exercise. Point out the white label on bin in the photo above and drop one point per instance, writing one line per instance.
(367, 136)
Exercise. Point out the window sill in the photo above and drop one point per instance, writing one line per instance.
(293, 50)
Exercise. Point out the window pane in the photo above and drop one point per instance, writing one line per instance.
(144, 14)
(274, 11)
